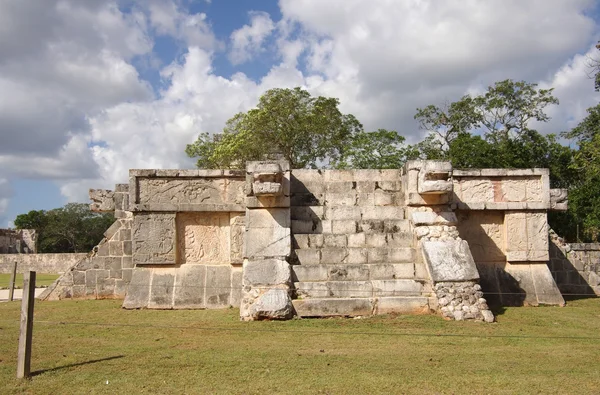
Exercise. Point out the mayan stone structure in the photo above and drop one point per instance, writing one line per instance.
(18, 241)
(279, 243)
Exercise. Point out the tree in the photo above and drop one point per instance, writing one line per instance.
(287, 123)
(584, 196)
(72, 228)
(502, 114)
(382, 149)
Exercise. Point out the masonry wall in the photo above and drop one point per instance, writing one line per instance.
(353, 245)
(575, 267)
(41, 263)
(18, 241)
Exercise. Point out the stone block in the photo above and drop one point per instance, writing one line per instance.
(311, 289)
(383, 198)
(365, 199)
(356, 256)
(273, 304)
(547, 292)
(376, 240)
(307, 199)
(339, 187)
(236, 287)
(343, 226)
(267, 201)
(390, 186)
(404, 239)
(316, 240)
(396, 288)
(266, 272)
(396, 225)
(377, 255)
(309, 272)
(126, 275)
(102, 200)
(309, 256)
(127, 262)
(236, 237)
(341, 199)
(357, 240)
(154, 238)
(349, 289)
(115, 248)
(138, 291)
(268, 218)
(268, 242)
(367, 186)
(371, 226)
(307, 175)
(382, 213)
(333, 255)
(189, 289)
(435, 178)
(402, 305)
(78, 278)
(449, 260)
(338, 175)
(430, 218)
(300, 241)
(307, 213)
(329, 307)
(306, 227)
(348, 272)
(162, 289)
(113, 229)
(343, 213)
(398, 255)
(218, 286)
(334, 240)
(392, 271)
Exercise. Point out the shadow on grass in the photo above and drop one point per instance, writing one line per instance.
(38, 372)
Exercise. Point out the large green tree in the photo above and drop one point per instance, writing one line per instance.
(72, 228)
(287, 123)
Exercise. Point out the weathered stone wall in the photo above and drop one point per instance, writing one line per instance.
(18, 241)
(41, 263)
(104, 273)
(502, 215)
(187, 230)
(575, 267)
(353, 246)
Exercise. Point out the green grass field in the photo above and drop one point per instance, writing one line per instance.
(96, 347)
(41, 280)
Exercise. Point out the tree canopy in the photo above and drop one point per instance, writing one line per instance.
(287, 123)
(72, 228)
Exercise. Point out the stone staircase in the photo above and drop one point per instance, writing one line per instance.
(353, 248)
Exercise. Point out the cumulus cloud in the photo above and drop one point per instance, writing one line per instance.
(78, 111)
(248, 40)
(169, 19)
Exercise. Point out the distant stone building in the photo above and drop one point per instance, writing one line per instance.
(18, 241)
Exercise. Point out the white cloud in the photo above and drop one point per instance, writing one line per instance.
(77, 111)
(248, 40)
(168, 19)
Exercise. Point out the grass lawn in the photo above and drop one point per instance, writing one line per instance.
(96, 347)
(41, 280)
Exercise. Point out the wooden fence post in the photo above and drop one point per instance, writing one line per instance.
(13, 280)
(25, 337)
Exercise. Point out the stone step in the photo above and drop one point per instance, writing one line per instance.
(353, 240)
(359, 272)
(351, 307)
(359, 289)
(351, 255)
(386, 224)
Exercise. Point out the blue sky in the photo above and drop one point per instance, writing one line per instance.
(100, 87)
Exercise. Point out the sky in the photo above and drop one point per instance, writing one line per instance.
(90, 89)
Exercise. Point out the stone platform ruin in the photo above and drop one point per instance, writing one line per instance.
(279, 243)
